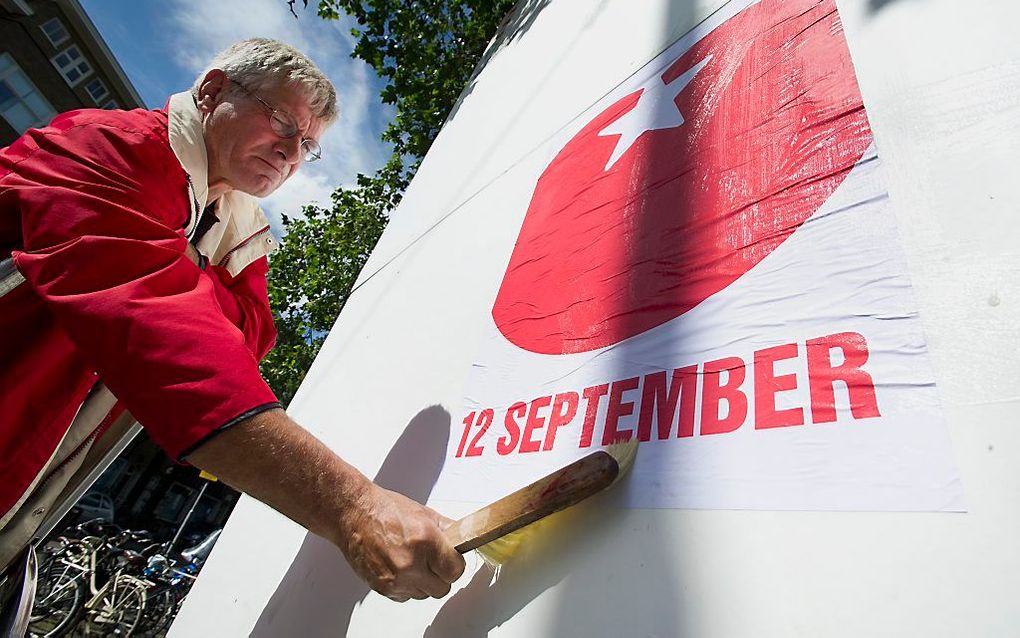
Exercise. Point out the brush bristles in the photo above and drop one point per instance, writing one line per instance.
(504, 549)
(624, 453)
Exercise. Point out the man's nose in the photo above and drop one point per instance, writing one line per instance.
(290, 148)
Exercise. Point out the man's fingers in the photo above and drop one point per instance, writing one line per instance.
(423, 588)
(442, 565)
(403, 549)
(437, 588)
(447, 563)
(425, 584)
(443, 522)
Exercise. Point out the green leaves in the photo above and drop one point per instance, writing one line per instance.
(313, 273)
(425, 51)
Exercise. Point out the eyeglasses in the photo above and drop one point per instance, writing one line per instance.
(283, 124)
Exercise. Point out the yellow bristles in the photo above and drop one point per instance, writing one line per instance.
(503, 550)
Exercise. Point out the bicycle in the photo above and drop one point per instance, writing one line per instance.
(91, 578)
(60, 592)
(116, 607)
(165, 597)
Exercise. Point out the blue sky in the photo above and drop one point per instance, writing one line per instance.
(163, 44)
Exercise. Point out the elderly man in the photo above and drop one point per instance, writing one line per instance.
(144, 258)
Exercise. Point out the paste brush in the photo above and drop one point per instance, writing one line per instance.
(499, 530)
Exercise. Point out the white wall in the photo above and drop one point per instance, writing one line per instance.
(941, 83)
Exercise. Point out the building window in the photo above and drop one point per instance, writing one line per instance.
(111, 105)
(72, 65)
(97, 90)
(21, 104)
(55, 31)
(171, 507)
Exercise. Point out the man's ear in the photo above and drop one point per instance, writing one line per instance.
(213, 86)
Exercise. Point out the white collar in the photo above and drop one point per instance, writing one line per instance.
(239, 214)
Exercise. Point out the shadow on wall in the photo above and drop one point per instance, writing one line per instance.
(604, 570)
(611, 571)
(874, 6)
(516, 23)
(604, 584)
(581, 546)
(320, 584)
(544, 561)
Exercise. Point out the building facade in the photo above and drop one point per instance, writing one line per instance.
(52, 59)
(149, 491)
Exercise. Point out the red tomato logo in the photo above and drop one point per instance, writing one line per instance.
(676, 190)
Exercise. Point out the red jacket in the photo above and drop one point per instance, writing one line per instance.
(95, 210)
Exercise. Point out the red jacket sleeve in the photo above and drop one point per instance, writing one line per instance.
(245, 302)
(101, 206)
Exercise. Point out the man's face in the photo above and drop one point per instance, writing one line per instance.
(245, 152)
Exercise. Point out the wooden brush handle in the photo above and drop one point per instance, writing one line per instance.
(547, 495)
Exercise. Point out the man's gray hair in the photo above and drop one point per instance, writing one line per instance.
(259, 63)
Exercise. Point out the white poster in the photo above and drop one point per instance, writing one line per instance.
(708, 263)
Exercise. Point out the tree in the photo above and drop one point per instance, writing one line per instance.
(425, 51)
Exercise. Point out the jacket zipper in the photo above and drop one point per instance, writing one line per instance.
(103, 425)
(193, 216)
(230, 253)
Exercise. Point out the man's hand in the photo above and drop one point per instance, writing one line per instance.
(398, 546)
(394, 543)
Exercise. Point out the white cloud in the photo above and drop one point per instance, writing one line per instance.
(352, 145)
(304, 187)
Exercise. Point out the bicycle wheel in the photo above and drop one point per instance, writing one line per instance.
(158, 612)
(58, 603)
(117, 611)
